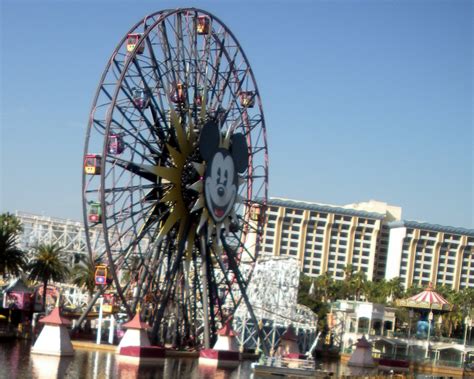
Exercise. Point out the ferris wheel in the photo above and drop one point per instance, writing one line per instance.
(176, 172)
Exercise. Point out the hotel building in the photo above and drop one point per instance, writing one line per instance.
(327, 238)
(420, 253)
(372, 237)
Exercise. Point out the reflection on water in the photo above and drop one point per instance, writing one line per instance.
(16, 362)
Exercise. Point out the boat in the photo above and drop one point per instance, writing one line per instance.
(299, 368)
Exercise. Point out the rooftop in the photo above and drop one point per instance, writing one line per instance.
(288, 203)
(431, 227)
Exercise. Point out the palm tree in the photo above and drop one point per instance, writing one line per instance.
(376, 291)
(12, 259)
(83, 275)
(324, 283)
(358, 283)
(11, 223)
(48, 264)
(395, 288)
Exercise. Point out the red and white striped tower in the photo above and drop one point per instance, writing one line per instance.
(289, 344)
(225, 352)
(135, 342)
(54, 338)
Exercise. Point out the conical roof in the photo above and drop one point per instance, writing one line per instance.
(54, 318)
(363, 343)
(427, 299)
(289, 334)
(18, 286)
(226, 330)
(136, 323)
(429, 295)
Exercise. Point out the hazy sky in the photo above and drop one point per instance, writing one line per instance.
(363, 99)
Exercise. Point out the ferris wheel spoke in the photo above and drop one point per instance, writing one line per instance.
(155, 109)
(120, 217)
(127, 92)
(216, 65)
(169, 281)
(137, 135)
(167, 52)
(144, 171)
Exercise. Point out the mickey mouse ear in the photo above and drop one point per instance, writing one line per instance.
(240, 152)
(209, 140)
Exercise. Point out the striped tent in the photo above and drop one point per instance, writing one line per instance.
(427, 299)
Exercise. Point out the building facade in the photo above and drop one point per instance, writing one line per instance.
(327, 238)
(420, 253)
(372, 237)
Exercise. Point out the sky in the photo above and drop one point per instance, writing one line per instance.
(362, 99)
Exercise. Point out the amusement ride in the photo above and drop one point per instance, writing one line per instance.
(175, 175)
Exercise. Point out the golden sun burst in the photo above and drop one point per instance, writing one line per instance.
(191, 218)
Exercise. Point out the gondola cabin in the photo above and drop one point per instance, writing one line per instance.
(109, 305)
(179, 94)
(115, 144)
(140, 98)
(132, 42)
(255, 213)
(202, 26)
(92, 164)
(198, 99)
(100, 275)
(247, 99)
(95, 213)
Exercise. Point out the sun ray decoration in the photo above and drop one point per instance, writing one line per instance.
(177, 172)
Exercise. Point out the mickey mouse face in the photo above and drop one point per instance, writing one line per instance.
(221, 179)
(220, 185)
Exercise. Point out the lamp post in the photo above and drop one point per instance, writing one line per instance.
(410, 317)
(430, 318)
(467, 323)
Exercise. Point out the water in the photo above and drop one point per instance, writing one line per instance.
(16, 362)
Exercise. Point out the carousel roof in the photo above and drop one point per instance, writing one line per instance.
(427, 299)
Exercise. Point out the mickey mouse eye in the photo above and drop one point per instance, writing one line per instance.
(226, 176)
(219, 175)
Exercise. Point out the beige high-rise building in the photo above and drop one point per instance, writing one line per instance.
(326, 238)
(420, 253)
(372, 237)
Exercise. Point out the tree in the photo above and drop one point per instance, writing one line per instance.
(358, 284)
(48, 264)
(376, 292)
(12, 259)
(83, 275)
(10, 223)
(395, 289)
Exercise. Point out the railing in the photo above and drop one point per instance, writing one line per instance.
(412, 358)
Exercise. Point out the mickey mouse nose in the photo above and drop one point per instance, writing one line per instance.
(220, 191)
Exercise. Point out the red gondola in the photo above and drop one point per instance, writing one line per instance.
(92, 164)
(140, 98)
(247, 99)
(179, 94)
(202, 26)
(198, 99)
(132, 41)
(115, 144)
